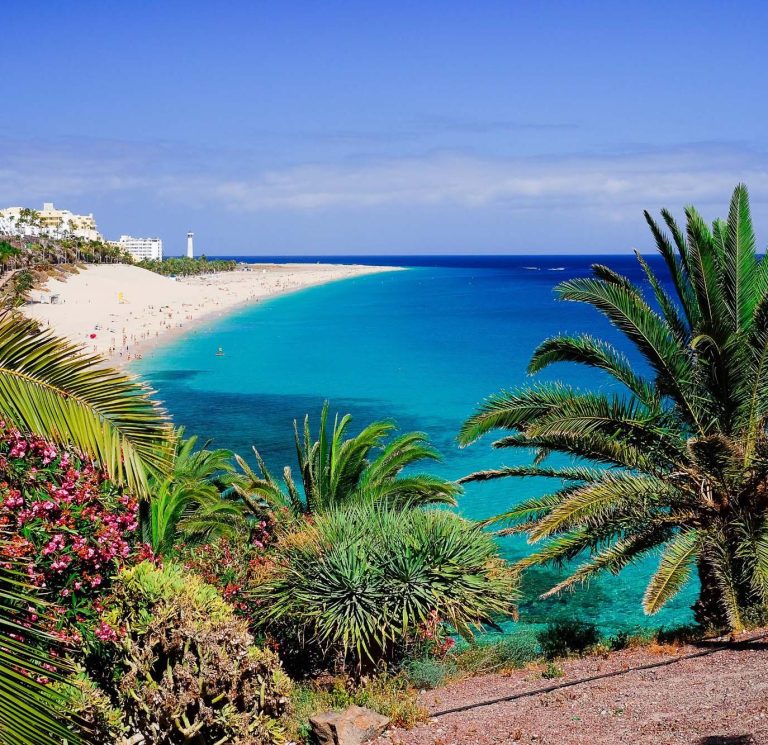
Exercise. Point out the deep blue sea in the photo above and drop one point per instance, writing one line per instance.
(421, 346)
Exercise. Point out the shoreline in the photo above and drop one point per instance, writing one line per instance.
(125, 313)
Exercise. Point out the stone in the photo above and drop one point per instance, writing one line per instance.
(353, 726)
(323, 727)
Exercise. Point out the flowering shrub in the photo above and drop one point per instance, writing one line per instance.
(432, 639)
(72, 524)
(232, 566)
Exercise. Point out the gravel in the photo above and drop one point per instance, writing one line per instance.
(719, 699)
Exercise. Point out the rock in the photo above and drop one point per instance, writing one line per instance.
(352, 726)
(323, 727)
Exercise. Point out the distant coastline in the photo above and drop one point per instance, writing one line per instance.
(124, 312)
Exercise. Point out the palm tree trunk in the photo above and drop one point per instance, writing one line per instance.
(709, 608)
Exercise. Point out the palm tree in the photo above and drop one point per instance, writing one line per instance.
(51, 388)
(336, 471)
(7, 251)
(19, 289)
(190, 502)
(30, 708)
(678, 461)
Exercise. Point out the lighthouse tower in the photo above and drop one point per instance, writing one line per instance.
(190, 249)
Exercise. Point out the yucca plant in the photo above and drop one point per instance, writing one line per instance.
(339, 470)
(50, 387)
(677, 458)
(357, 582)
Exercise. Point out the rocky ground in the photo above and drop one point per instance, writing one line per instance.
(717, 699)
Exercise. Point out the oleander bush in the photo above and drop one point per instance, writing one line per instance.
(354, 586)
(72, 526)
(232, 566)
(182, 666)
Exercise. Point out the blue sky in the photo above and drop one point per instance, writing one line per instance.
(356, 127)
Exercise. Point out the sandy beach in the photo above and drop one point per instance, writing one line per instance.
(123, 312)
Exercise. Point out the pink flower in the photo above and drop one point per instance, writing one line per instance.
(105, 632)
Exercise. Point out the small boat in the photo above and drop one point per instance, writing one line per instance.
(219, 352)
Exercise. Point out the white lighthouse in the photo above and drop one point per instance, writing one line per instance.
(190, 249)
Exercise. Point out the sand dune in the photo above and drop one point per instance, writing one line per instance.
(123, 311)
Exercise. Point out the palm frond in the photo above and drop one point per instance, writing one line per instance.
(596, 503)
(594, 446)
(704, 270)
(673, 571)
(669, 308)
(513, 410)
(49, 387)
(566, 474)
(677, 264)
(740, 273)
(648, 332)
(31, 709)
(587, 350)
(611, 559)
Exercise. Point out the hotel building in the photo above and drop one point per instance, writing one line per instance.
(48, 221)
(142, 248)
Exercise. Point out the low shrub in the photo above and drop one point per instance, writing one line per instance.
(619, 641)
(552, 671)
(514, 651)
(685, 634)
(92, 711)
(181, 665)
(356, 584)
(428, 672)
(561, 638)
(390, 695)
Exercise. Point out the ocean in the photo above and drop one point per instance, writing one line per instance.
(421, 347)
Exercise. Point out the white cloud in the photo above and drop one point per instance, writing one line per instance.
(615, 184)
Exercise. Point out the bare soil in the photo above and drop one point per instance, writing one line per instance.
(718, 699)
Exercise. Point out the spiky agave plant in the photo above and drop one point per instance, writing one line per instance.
(682, 450)
(338, 470)
(359, 580)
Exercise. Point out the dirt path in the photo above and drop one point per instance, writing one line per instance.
(719, 699)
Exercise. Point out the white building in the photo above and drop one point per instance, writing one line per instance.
(190, 247)
(142, 248)
(48, 221)
(7, 225)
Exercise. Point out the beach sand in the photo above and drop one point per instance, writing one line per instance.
(123, 312)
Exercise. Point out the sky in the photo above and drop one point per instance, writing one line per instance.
(384, 128)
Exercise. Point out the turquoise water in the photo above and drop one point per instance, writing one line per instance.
(421, 346)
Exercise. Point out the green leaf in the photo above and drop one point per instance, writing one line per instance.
(673, 572)
(49, 387)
